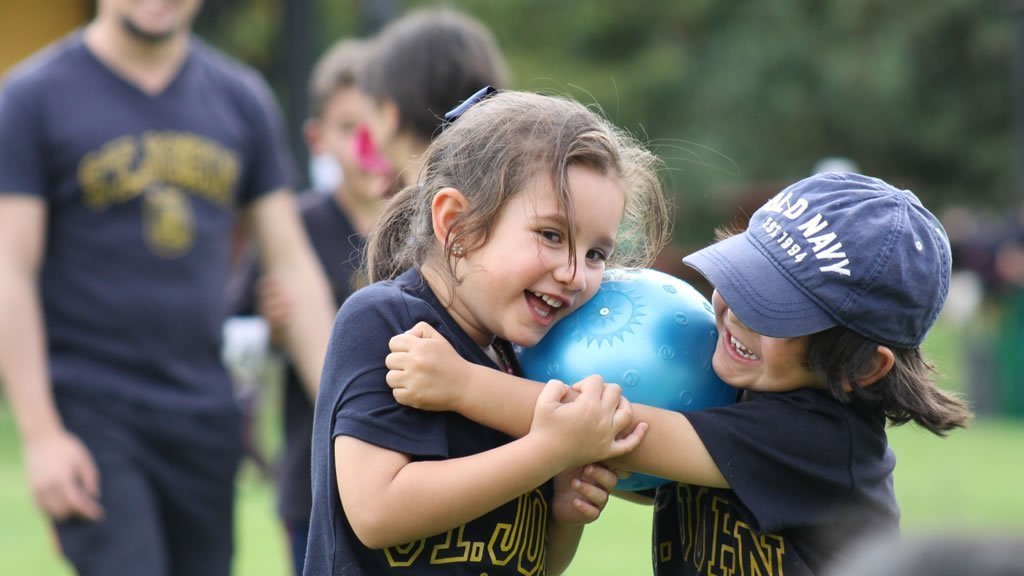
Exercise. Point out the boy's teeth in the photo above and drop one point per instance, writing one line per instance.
(553, 302)
(742, 350)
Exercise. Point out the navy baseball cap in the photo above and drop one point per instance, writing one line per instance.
(835, 249)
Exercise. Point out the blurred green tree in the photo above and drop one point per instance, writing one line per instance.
(741, 92)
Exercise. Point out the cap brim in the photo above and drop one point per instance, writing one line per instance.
(761, 296)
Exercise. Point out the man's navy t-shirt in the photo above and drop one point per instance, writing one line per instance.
(355, 400)
(809, 475)
(141, 192)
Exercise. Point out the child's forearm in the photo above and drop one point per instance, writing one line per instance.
(426, 498)
(671, 449)
(499, 400)
(563, 540)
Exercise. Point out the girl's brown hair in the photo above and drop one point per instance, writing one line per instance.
(491, 153)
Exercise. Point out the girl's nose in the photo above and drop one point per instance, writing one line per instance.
(569, 275)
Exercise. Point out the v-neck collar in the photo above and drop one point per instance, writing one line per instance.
(121, 79)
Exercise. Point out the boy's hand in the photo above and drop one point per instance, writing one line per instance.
(592, 427)
(424, 371)
(582, 493)
(274, 304)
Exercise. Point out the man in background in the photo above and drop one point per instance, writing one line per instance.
(127, 151)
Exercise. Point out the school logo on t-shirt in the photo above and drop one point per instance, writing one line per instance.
(712, 539)
(506, 547)
(163, 169)
(167, 221)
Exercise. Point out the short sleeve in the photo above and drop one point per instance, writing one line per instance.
(271, 166)
(786, 456)
(22, 154)
(354, 379)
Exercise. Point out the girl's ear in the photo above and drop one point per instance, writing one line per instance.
(447, 204)
(882, 363)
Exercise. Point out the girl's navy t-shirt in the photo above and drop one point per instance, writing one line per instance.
(355, 400)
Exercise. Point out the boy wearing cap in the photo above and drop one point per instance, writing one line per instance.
(821, 307)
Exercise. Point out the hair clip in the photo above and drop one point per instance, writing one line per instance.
(455, 113)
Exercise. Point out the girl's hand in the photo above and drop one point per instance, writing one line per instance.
(582, 493)
(424, 371)
(592, 427)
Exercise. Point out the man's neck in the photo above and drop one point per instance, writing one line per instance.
(151, 66)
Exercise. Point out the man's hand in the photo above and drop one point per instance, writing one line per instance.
(275, 305)
(63, 477)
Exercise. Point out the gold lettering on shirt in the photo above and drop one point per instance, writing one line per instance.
(405, 554)
(711, 539)
(521, 543)
(167, 221)
(164, 169)
(125, 167)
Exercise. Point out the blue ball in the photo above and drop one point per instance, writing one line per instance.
(649, 332)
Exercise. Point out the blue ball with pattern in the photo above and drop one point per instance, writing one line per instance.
(649, 332)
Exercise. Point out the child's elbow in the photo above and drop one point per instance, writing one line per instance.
(373, 531)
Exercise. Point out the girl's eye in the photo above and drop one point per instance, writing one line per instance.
(596, 256)
(551, 235)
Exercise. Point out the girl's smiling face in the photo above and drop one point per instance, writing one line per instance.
(521, 281)
(751, 361)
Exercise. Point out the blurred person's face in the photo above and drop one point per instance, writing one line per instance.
(334, 134)
(152, 20)
(383, 125)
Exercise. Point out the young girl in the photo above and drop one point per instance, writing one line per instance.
(523, 201)
(821, 306)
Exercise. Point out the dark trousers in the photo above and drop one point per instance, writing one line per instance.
(167, 483)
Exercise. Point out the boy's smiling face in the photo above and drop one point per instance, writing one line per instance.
(751, 361)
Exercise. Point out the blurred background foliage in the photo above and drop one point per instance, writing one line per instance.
(737, 97)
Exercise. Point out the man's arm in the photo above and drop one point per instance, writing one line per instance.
(286, 256)
(62, 475)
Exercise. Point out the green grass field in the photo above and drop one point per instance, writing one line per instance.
(970, 481)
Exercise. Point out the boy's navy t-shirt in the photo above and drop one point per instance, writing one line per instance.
(809, 476)
(355, 400)
(339, 249)
(141, 193)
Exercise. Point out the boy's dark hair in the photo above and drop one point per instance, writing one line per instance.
(339, 67)
(840, 357)
(427, 62)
